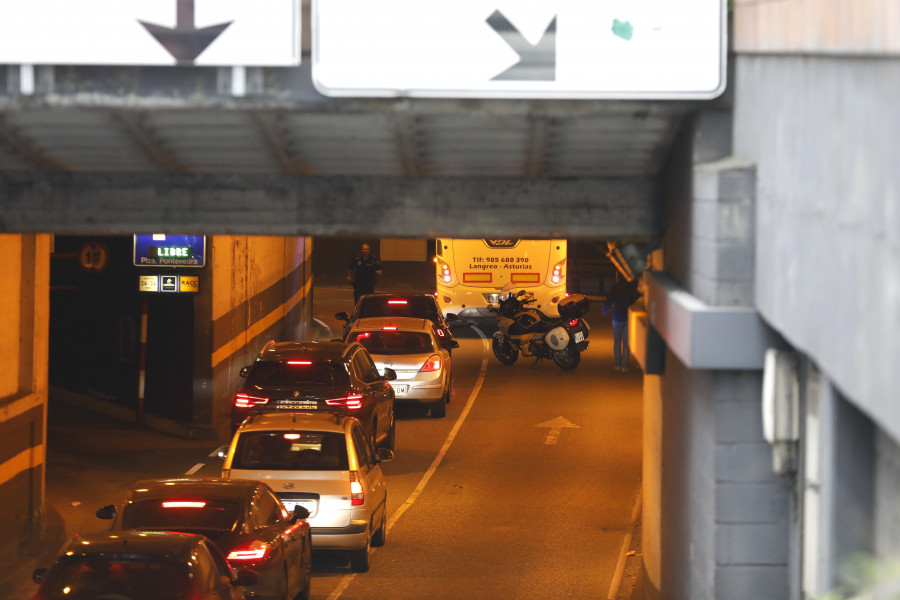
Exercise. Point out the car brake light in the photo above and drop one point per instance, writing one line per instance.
(183, 504)
(357, 494)
(257, 550)
(432, 364)
(389, 328)
(292, 436)
(397, 302)
(573, 322)
(353, 401)
(244, 400)
(299, 362)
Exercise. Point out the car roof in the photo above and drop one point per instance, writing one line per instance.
(312, 421)
(401, 323)
(314, 350)
(240, 490)
(155, 543)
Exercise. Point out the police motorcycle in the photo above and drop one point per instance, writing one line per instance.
(529, 332)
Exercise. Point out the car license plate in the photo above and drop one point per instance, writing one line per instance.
(310, 505)
(298, 404)
(400, 389)
(579, 337)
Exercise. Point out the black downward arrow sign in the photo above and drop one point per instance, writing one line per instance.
(537, 62)
(185, 42)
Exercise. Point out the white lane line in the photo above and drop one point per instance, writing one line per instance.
(194, 469)
(346, 580)
(623, 553)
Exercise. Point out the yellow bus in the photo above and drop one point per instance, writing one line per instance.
(471, 273)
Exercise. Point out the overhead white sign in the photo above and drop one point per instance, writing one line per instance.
(150, 32)
(663, 49)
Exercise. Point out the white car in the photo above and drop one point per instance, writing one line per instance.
(413, 349)
(325, 463)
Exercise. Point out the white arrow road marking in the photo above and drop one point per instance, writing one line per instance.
(556, 426)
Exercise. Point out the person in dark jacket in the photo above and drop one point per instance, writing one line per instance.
(621, 295)
(363, 272)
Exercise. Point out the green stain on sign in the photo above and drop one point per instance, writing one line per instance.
(622, 29)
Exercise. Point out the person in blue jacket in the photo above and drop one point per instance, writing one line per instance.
(622, 294)
(363, 272)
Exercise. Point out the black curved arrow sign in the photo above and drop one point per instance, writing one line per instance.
(185, 42)
(537, 62)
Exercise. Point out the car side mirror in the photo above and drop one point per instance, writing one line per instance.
(342, 316)
(384, 454)
(246, 577)
(245, 371)
(107, 512)
(38, 575)
(300, 512)
(453, 344)
(390, 374)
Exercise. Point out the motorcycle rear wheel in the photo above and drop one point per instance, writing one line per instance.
(567, 359)
(504, 351)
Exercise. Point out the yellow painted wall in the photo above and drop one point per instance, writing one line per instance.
(11, 271)
(25, 304)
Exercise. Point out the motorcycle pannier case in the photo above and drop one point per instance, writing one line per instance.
(572, 307)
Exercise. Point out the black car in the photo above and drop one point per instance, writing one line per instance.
(416, 305)
(319, 377)
(244, 518)
(141, 566)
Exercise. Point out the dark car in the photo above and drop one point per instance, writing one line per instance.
(244, 518)
(141, 566)
(320, 377)
(415, 305)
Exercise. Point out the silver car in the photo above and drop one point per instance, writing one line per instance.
(413, 349)
(325, 463)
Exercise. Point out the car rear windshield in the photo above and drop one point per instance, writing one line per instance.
(291, 451)
(422, 307)
(299, 373)
(188, 513)
(138, 578)
(395, 342)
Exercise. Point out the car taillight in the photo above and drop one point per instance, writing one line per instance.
(445, 275)
(357, 494)
(256, 550)
(353, 401)
(244, 400)
(432, 364)
(556, 275)
(573, 322)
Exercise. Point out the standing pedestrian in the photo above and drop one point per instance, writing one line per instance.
(622, 294)
(363, 272)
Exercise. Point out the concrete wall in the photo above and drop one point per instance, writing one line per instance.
(23, 387)
(260, 292)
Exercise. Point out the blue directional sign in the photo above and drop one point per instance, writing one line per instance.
(163, 250)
